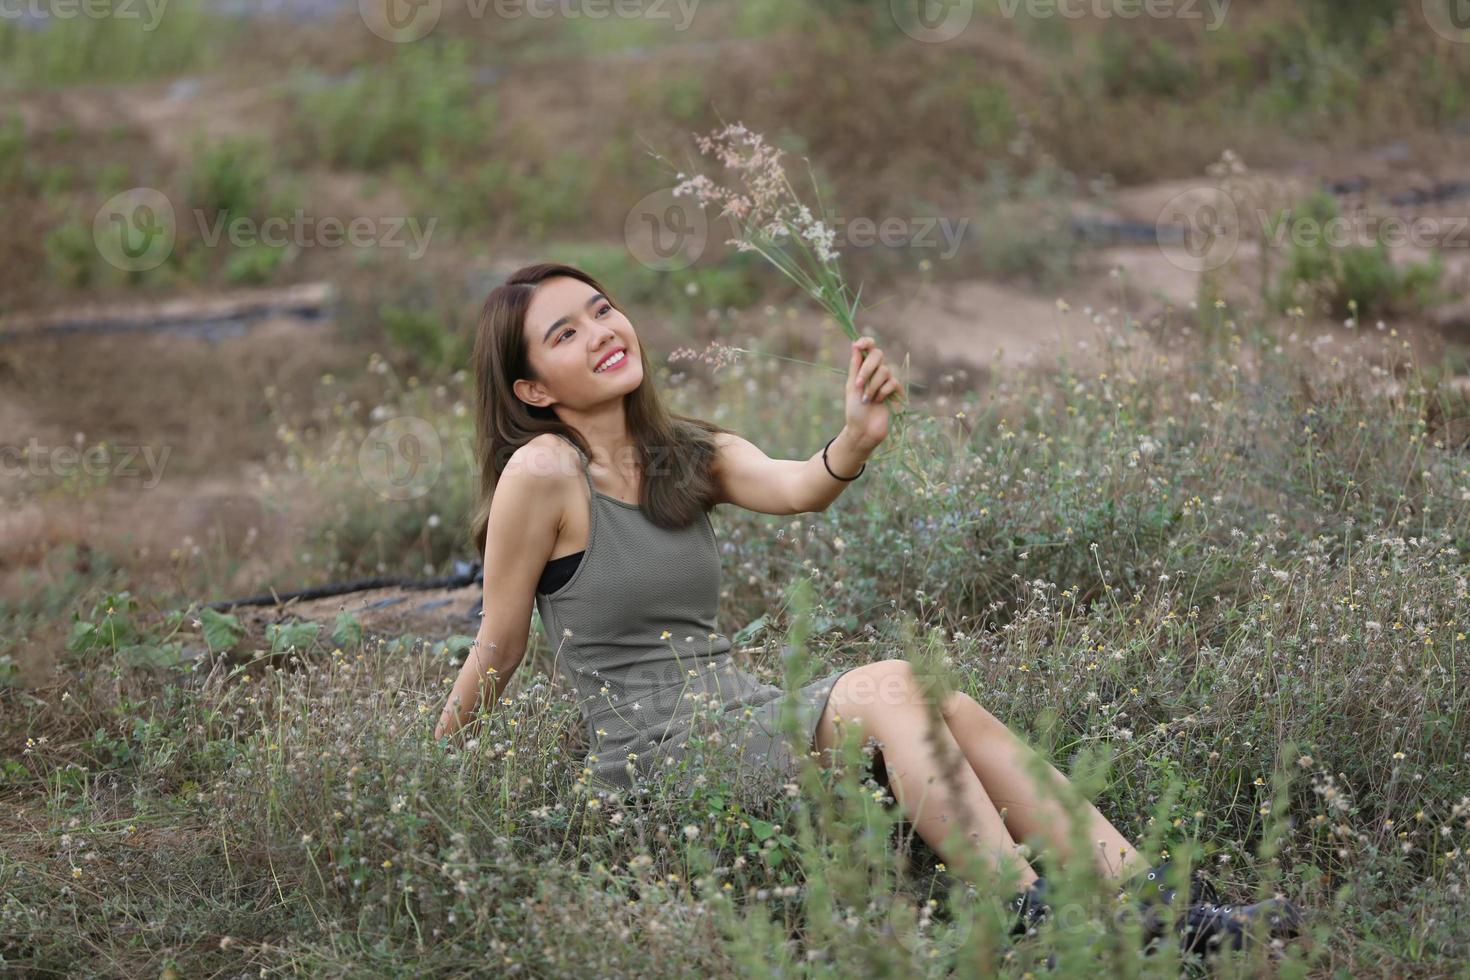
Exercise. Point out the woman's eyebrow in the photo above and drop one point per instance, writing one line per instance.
(561, 320)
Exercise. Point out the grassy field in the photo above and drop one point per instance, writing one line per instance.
(1225, 591)
(1212, 561)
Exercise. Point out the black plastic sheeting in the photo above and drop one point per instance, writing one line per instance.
(465, 573)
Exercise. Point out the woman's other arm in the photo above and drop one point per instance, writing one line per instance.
(525, 518)
(747, 477)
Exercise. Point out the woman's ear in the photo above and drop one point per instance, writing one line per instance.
(532, 393)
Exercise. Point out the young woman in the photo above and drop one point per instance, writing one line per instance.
(595, 504)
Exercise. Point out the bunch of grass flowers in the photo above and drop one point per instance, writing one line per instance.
(770, 218)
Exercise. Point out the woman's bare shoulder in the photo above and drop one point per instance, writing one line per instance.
(546, 469)
(546, 456)
(538, 480)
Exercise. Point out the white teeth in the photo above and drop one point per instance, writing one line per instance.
(611, 361)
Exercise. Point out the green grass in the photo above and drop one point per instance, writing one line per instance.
(133, 45)
(420, 106)
(1352, 278)
(1227, 595)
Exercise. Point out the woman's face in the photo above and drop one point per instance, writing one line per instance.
(571, 330)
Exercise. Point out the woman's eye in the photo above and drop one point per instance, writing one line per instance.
(565, 332)
(604, 309)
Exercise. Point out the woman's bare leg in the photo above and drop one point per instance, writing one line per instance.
(883, 701)
(1004, 765)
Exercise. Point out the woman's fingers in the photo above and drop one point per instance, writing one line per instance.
(881, 378)
(868, 373)
(879, 374)
(871, 364)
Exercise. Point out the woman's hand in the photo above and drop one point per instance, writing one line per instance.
(869, 383)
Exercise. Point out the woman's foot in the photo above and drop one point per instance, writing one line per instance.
(1029, 907)
(1206, 924)
(1206, 927)
(1150, 893)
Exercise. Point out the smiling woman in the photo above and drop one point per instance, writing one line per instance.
(626, 573)
(564, 401)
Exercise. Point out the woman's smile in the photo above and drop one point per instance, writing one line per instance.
(613, 361)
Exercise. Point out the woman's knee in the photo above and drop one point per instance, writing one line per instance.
(902, 685)
(956, 703)
(877, 686)
(959, 705)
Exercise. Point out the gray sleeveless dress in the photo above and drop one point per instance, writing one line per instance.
(635, 628)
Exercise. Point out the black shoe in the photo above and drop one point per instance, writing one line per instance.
(1031, 910)
(1029, 907)
(1152, 886)
(1206, 926)
(1154, 895)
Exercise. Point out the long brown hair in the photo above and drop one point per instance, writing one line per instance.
(674, 451)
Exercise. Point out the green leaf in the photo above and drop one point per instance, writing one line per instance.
(749, 630)
(221, 630)
(347, 630)
(82, 632)
(152, 654)
(762, 829)
(458, 643)
(289, 636)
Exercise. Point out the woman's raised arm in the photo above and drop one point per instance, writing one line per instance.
(746, 477)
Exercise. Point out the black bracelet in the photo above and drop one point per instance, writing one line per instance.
(844, 479)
